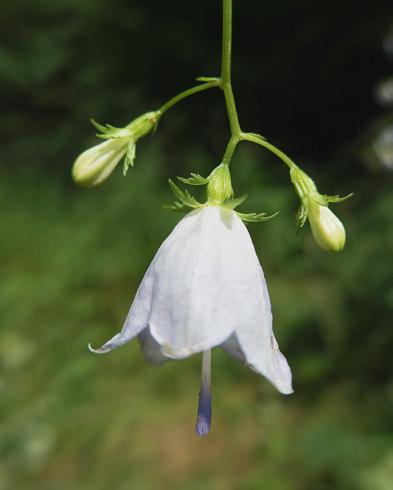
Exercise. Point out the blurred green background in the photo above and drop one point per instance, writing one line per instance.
(317, 80)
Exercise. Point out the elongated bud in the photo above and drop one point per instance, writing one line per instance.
(96, 164)
(219, 188)
(328, 231)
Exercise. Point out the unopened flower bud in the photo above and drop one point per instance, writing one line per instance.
(96, 164)
(219, 188)
(328, 231)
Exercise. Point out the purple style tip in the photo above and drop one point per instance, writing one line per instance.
(204, 417)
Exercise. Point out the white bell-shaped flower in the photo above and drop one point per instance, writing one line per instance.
(205, 288)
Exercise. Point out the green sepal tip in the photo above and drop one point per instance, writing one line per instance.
(234, 203)
(129, 159)
(108, 131)
(195, 179)
(301, 215)
(185, 200)
(255, 217)
(338, 198)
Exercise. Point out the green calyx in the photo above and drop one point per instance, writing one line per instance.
(219, 187)
(219, 193)
(135, 130)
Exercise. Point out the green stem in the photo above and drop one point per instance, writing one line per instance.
(254, 138)
(226, 55)
(187, 93)
(230, 150)
(226, 83)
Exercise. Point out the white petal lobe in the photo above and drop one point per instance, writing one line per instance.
(204, 288)
(151, 348)
(202, 281)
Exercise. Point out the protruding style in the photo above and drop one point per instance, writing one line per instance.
(204, 414)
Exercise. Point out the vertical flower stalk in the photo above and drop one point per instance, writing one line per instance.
(226, 82)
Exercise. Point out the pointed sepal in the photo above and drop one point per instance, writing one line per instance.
(301, 215)
(255, 217)
(195, 179)
(108, 131)
(234, 203)
(185, 200)
(129, 159)
(338, 198)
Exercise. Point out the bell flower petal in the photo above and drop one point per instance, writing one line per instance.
(151, 348)
(205, 288)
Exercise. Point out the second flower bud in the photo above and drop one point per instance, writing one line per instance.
(327, 229)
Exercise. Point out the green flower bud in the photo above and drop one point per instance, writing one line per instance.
(328, 231)
(96, 164)
(219, 187)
